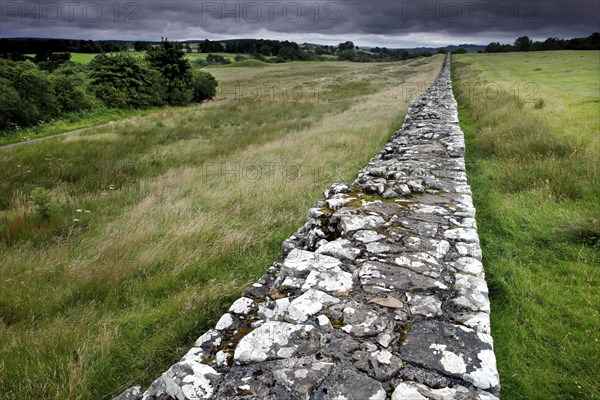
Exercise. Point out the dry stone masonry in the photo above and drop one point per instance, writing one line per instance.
(380, 295)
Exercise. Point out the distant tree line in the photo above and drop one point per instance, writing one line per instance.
(32, 93)
(260, 49)
(266, 50)
(33, 46)
(349, 52)
(290, 51)
(264, 47)
(524, 43)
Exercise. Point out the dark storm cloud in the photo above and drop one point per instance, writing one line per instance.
(372, 22)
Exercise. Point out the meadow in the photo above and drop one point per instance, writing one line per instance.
(532, 126)
(100, 113)
(145, 230)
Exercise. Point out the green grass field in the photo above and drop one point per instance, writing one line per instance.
(532, 125)
(156, 223)
(82, 58)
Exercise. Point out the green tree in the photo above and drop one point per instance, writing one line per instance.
(124, 81)
(205, 46)
(170, 60)
(266, 50)
(10, 102)
(69, 96)
(141, 46)
(347, 55)
(35, 91)
(205, 86)
(291, 54)
(216, 59)
(523, 43)
(345, 46)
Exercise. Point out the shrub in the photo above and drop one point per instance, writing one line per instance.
(70, 97)
(292, 54)
(215, 59)
(124, 81)
(51, 61)
(539, 104)
(347, 55)
(205, 86)
(10, 102)
(41, 202)
(170, 61)
(37, 100)
(259, 57)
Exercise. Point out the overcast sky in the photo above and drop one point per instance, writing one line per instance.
(366, 23)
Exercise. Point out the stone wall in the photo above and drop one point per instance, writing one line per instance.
(381, 294)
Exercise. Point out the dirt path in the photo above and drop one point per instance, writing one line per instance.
(6, 146)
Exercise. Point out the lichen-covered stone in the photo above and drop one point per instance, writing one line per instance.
(472, 293)
(355, 223)
(452, 350)
(300, 262)
(427, 306)
(303, 379)
(382, 365)
(308, 304)
(352, 385)
(275, 340)
(376, 277)
(415, 391)
(337, 282)
(361, 321)
(342, 249)
(184, 381)
(242, 306)
(133, 393)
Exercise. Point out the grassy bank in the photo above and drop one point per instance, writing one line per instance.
(154, 225)
(532, 127)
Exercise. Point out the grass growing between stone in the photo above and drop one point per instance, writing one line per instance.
(532, 127)
(149, 228)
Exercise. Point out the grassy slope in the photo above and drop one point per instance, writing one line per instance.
(90, 307)
(535, 174)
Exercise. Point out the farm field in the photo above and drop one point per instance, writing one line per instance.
(156, 223)
(532, 125)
